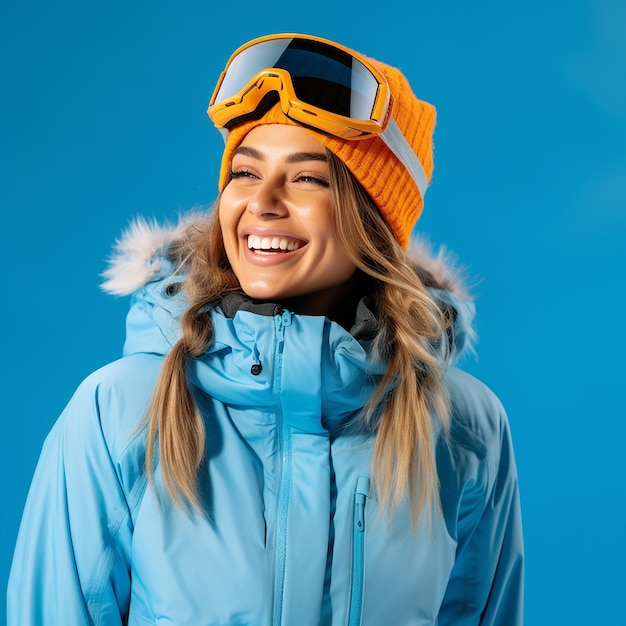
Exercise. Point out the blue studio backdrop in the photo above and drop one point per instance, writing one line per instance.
(102, 118)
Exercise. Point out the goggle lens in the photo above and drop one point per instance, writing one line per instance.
(321, 75)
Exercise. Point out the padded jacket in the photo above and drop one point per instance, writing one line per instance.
(291, 532)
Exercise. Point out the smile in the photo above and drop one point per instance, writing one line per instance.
(272, 245)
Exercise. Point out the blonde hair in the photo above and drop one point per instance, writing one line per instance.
(410, 405)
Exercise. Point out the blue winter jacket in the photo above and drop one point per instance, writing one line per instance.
(291, 533)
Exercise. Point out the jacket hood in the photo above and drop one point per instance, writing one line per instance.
(140, 258)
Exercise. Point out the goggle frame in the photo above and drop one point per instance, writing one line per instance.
(247, 99)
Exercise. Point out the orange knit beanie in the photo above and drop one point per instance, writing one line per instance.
(373, 164)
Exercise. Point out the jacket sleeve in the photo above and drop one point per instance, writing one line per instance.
(486, 583)
(71, 561)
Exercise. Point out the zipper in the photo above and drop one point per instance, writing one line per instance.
(361, 493)
(282, 319)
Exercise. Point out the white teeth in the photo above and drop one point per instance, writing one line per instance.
(271, 243)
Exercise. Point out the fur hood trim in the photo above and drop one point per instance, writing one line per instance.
(138, 255)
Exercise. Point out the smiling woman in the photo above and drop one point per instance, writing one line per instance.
(279, 198)
(287, 439)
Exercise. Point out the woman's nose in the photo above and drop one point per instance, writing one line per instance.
(266, 202)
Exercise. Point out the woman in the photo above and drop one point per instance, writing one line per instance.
(286, 439)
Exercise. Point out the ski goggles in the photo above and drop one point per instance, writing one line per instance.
(319, 84)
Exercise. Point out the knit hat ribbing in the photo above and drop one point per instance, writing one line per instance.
(373, 164)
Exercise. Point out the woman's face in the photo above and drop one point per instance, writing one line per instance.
(276, 224)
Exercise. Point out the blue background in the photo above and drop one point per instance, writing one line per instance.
(102, 117)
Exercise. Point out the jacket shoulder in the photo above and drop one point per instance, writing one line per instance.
(478, 428)
(111, 403)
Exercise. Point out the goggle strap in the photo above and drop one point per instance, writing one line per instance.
(397, 143)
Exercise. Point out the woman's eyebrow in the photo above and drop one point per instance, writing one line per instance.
(251, 152)
(299, 157)
(295, 157)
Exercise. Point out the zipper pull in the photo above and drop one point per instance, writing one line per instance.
(360, 495)
(359, 512)
(282, 320)
(286, 317)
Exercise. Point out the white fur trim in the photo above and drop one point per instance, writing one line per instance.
(443, 265)
(135, 259)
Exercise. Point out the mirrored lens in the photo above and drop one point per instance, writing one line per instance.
(322, 75)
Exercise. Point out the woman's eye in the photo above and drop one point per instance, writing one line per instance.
(241, 174)
(316, 180)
